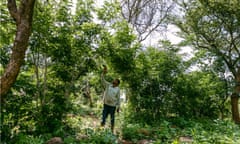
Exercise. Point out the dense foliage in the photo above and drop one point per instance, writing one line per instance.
(214, 26)
(165, 99)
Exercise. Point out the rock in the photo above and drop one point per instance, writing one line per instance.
(144, 141)
(186, 139)
(55, 140)
(126, 142)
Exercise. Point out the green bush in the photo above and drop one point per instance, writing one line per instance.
(136, 132)
(216, 131)
(18, 109)
(28, 139)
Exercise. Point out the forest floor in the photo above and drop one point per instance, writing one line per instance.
(90, 118)
(92, 121)
(86, 120)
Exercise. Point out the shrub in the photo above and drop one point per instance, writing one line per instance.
(28, 139)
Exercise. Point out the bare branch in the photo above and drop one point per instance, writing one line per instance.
(146, 16)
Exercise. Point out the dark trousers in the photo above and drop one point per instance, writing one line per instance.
(106, 111)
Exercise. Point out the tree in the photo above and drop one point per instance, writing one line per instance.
(118, 44)
(215, 27)
(151, 82)
(22, 15)
(146, 16)
(198, 94)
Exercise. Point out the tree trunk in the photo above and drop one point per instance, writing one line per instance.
(23, 17)
(234, 100)
(235, 111)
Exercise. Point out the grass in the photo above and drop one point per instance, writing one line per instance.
(82, 126)
(175, 131)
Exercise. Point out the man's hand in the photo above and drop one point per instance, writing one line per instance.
(104, 69)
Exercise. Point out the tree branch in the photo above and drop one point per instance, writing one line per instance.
(12, 7)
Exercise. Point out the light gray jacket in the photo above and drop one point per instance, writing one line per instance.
(111, 94)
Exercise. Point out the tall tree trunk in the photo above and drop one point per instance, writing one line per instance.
(235, 98)
(235, 111)
(23, 17)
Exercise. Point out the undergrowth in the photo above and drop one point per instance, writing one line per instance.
(83, 127)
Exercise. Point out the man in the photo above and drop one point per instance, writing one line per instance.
(111, 99)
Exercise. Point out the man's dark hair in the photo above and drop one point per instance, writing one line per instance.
(118, 81)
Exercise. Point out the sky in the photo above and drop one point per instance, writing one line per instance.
(152, 40)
